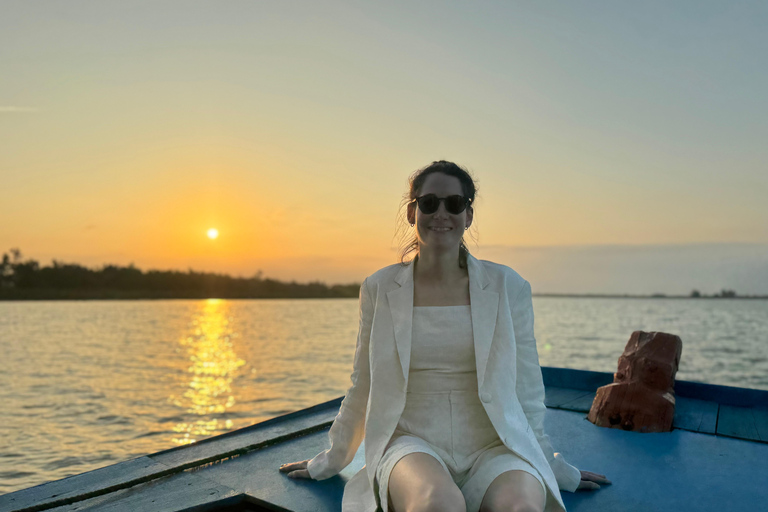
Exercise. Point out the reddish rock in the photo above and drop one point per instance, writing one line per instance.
(642, 396)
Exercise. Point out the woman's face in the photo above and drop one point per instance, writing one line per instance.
(428, 226)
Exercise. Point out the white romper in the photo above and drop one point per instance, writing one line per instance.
(443, 415)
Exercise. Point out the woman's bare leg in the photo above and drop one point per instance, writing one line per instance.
(419, 483)
(514, 491)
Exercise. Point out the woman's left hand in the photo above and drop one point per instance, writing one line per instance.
(590, 480)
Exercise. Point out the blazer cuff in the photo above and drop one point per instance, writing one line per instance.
(318, 468)
(568, 477)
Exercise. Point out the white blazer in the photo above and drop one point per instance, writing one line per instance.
(509, 379)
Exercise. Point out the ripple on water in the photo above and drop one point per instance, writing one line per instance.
(64, 462)
(114, 420)
(152, 434)
(37, 406)
(722, 350)
(10, 475)
(11, 455)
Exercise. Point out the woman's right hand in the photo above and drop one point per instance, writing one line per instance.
(296, 469)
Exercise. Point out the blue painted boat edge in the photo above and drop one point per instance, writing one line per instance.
(556, 377)
(336, 402)
(723, 395)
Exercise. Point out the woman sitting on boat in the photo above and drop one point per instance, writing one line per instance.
(447, 391)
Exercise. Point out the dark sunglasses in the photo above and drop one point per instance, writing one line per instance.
(428, 204)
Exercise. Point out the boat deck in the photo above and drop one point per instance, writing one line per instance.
(715, 459)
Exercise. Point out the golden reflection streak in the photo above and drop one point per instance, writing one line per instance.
(214, 365)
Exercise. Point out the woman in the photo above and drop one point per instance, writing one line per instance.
(446, 389)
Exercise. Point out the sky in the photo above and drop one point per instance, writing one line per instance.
(618, 147)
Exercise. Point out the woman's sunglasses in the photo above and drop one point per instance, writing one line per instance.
(428, 204)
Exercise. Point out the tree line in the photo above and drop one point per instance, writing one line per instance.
(723, 293)
(22, 278)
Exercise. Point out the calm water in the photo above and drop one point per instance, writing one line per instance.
(88, 384)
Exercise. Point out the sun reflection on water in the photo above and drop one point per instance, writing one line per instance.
(214, 365)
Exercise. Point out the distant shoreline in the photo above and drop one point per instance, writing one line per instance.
(654, 296)
(53, 294)
(24, 280)
(106, 294)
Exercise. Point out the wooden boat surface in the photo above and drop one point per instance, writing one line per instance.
(715, 458)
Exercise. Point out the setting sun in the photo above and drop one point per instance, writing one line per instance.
(213, 233)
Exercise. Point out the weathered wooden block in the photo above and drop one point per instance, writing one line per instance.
(642, 395)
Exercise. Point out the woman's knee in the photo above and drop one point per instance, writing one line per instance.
(512, 506)
(419, 483)
(514, 491)
(440, 499)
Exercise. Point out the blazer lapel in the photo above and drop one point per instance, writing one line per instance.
(485, 309)
(401, 307)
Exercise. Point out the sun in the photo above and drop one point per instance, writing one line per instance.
(213, 233)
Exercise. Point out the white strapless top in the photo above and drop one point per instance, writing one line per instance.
(442, 340)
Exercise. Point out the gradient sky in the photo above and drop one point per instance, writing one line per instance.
(619, 147)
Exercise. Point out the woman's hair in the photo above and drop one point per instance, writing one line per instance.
(409, 242)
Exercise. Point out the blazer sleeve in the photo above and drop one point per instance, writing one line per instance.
(530, 388)
(348, 428)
